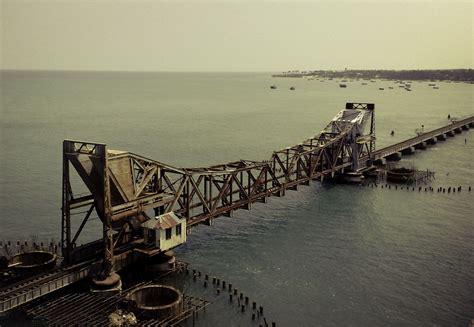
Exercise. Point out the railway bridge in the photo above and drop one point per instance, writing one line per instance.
(422, 140)
(128, 191)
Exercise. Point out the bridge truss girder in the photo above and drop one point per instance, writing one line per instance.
(123, 186)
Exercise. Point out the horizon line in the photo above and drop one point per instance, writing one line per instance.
(222, 71)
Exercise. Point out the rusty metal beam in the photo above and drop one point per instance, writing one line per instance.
(124, 185)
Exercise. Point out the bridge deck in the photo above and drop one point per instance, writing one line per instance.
(398, 147)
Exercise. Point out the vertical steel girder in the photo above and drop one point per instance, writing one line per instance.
(90, 161)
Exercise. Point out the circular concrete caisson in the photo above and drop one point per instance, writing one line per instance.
(400, 175)
(33, 261)
(155, 301)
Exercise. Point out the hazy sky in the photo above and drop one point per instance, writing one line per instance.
(235, 35)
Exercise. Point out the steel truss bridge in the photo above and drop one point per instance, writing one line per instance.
(125, 189)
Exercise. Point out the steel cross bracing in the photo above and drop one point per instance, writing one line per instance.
(123, 187)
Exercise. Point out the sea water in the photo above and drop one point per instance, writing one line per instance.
(327, 255)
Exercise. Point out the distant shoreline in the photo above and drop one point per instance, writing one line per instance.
(455, 75)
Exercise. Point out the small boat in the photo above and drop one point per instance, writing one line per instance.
(408, 89)
(390, 87)
(381, 88)
(364, 83)
(273, 87)
(435, 87)
(343, 85)
(292, 88)
(431, 84)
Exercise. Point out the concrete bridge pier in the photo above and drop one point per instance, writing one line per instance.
(465, 127)
(280, 193)
(110, 285)
(458, 130)
(409, 150)
(441, 137)
(432, 141)
(420, 146)
(450, 133)
(230, 213)
(295, 187)
(471, 124)
(394, 156)
(380, 162)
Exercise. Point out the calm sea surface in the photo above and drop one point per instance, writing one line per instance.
(327, 255)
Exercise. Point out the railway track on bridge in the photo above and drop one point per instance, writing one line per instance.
(398, 147)
(465, 123)
(33, 287)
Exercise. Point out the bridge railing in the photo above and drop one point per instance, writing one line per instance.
(381, 153)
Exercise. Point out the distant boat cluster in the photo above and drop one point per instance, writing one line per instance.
(343, 83)
(445, 75)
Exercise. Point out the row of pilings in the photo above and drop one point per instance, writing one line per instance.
(10, 248)
(236, 297)
(425, 189)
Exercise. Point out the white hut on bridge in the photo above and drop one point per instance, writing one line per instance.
(165, 231)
